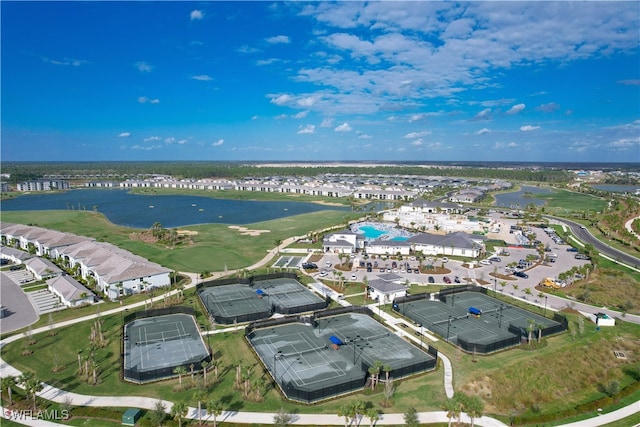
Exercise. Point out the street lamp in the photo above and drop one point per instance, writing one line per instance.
(448, 326)
(420, 325)
(545, 306)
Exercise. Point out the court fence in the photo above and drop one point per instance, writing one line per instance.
(312, 394)
(255, 316)
(414, 297)
(151, 375)
(444, 293)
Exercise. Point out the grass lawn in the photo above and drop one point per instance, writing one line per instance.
(215, 247)
(561, 201)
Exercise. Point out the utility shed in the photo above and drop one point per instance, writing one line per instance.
(130, 417)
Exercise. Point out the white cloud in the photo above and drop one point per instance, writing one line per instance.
(202, 77)
(65, 61)
(283, 99)
(629, 82)
(548, 108)
(364, 136)
(307, 101)
(483, 131)
(416, 117)
(146, 147)
(516, 109)
(145, 100)
(483, 115)
(196, 15)
(529, 128)
(343, 128)
(307, 129)
(182, 141)
(625, 143)
(143, 67)
(301, 114)
(124, 135)
(418, 142)
(152, 138)
(169, 140)
(278, 40)
(327, 122)
(218, 143)
(412, 135)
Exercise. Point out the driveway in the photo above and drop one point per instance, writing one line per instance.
(19, 312)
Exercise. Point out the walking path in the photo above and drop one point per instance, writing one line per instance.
(62, 396)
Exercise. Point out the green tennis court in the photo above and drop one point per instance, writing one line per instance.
(331, 356)
(155, 346)
(477, 322)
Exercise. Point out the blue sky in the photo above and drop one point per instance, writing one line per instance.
(312, 81)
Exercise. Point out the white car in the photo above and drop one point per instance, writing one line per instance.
(353, 278)
(485, 262)
(328, 264)
(445, 259)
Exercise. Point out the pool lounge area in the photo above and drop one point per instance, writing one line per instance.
(380, 231)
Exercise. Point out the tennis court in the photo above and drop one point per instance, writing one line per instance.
(331, 356)
(288, 296)
(258, 298)
(475, 321)
(155, 346)
(234, 303)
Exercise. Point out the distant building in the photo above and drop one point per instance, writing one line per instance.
(43, 185)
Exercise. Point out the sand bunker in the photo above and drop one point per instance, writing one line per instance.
(248, 232)
(186, 232)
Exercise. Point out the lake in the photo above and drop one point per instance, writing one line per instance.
(516, 199)
(141, 211)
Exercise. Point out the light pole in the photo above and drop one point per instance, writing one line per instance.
(448, 326)
(545, 306)
(420, 325)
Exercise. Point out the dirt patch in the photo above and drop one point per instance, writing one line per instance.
(187, 233)
(244, 231)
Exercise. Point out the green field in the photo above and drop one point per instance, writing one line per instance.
(213, 247)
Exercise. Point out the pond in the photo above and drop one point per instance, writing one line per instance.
(518, 199)
(141, 211)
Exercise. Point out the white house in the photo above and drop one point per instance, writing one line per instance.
(116, 272)
(455, 244)
(388, 247)
(70, 292)
(385, 291)
(344, 241)
(42, 268)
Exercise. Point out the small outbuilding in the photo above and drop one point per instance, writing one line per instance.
(131, 416)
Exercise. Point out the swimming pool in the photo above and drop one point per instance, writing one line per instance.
(374, 231)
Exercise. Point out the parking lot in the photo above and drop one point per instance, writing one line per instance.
(471, 271)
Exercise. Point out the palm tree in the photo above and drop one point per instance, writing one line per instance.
(356, 409)
(373, 416)
(386, 369)
(178, 411)
(451, 407)
(8, 383)
(345, 411)
(214, 407)
(474, 406)
(180, 371)
(204, 365)
(199, 396)
(411, 417)
(32, 385)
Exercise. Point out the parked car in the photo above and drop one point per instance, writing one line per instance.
(445, 259)
(521, 274)
(572, 249)
(353, 278)
(446, 279)
(581, 256)
(431, 279)
(456, 279)
(485, 262)
(495, 259)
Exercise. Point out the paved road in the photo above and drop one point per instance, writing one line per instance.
(19, 310)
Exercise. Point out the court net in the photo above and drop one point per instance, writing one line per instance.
(164, 338)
